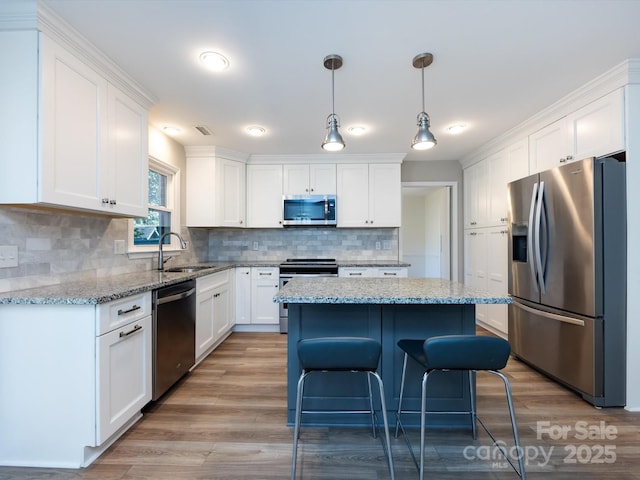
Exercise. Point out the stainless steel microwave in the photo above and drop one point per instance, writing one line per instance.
(308, 210)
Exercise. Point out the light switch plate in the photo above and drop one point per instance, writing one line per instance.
(8, 256)
(118, 247)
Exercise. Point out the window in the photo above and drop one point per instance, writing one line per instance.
(163, 217)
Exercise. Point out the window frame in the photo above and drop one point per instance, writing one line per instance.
(173, 206)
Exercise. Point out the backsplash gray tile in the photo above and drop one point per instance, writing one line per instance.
(55, 246)
(277, 244)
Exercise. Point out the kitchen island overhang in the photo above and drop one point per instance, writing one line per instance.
(386, 309)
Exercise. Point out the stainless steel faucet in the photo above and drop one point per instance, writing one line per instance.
(161, 259)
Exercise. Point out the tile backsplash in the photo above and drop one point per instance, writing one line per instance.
(55, 246)
(278, 244)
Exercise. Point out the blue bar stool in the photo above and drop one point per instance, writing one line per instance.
(458, 352)
(340, 354)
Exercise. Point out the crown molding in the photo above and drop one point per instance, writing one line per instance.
(617, 77)
(328, 158)
(214, 151)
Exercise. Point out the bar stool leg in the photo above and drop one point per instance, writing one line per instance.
(373, 413)
(383, 407)
(423, 420)
(296, 429)
(399, 412)
(514, 426)
(473, 406)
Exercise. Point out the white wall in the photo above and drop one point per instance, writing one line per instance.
(632, 95)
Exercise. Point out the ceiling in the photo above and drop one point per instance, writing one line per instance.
(496, 63)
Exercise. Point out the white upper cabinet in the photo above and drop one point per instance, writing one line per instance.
(215, 189)
(312, 179)
(518, 160)
(369, 195)
(264, 196)
(597, 129)
(594, 130)
(73, 139)
(476, 194)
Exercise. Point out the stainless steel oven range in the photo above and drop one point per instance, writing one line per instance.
(303, 267)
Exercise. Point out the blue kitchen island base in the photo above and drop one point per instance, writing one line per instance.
(387, 323)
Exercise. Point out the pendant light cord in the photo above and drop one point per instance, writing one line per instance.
(333, 89)
(423, 104)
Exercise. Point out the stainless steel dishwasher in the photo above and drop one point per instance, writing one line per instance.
(174, 334)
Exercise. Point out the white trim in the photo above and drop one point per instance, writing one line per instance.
(454, 247)
(173, 205)
(213, 151)
(327, 158)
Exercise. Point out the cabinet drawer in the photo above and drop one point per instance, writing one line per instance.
(392, 272)
(265, 273)
(213, 280)
(112, 315)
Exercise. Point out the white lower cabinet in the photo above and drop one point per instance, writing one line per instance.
(486, 254)
(264, 286)
(124, 373)
(213, 311)
(73, 378)
(373, 272)
(243, 295)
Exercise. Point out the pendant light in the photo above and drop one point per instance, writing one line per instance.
(333, 141)
(424, 139)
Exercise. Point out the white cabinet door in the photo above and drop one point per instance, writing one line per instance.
(597, 129)
(497, 188)
(205, 316)
(74, 134)
(353, 195)
(264, 196)
(213, 311)
(309, 179)
(124, 373)
(215, 191)
(295, 179)
(264, 286)
(322, 179)
(496, 257)
(518, 160)
(243, 295)
(126, 182)
(230, 195)
(548, 147)
(476, 194)
(385, 206)
(369, 195)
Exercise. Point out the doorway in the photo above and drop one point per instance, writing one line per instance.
(428, 237)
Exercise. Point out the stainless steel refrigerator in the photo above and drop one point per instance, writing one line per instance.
(567, 276)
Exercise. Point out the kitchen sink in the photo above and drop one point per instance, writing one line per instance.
(185, 269)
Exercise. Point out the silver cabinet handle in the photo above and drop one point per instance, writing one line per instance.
(112, 202)
(105, 201)
(132, 309)
(135, 329)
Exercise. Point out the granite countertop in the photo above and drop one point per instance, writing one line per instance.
(382, 291)
(105, 289)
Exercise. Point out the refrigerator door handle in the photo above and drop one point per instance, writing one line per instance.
(538, 239)
(549, 315)
(530, 237)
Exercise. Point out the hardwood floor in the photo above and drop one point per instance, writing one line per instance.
(227, 420)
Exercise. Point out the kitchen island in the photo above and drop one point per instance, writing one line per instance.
(386, 309)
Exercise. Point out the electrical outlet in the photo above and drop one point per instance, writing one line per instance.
(8, 256)
(377, 245)
(386, 245)
(255, 245)
(118, 247)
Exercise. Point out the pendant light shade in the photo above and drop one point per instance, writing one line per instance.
(424, 139)
(333, 141)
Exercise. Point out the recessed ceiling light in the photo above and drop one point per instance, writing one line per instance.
(256, 131)
(456, 129)
(214, 61)
(171, 130)
(357, 130)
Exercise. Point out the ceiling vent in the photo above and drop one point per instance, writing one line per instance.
(204, 130)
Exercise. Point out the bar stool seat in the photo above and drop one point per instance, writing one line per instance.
(341, 354)
(469, 353)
